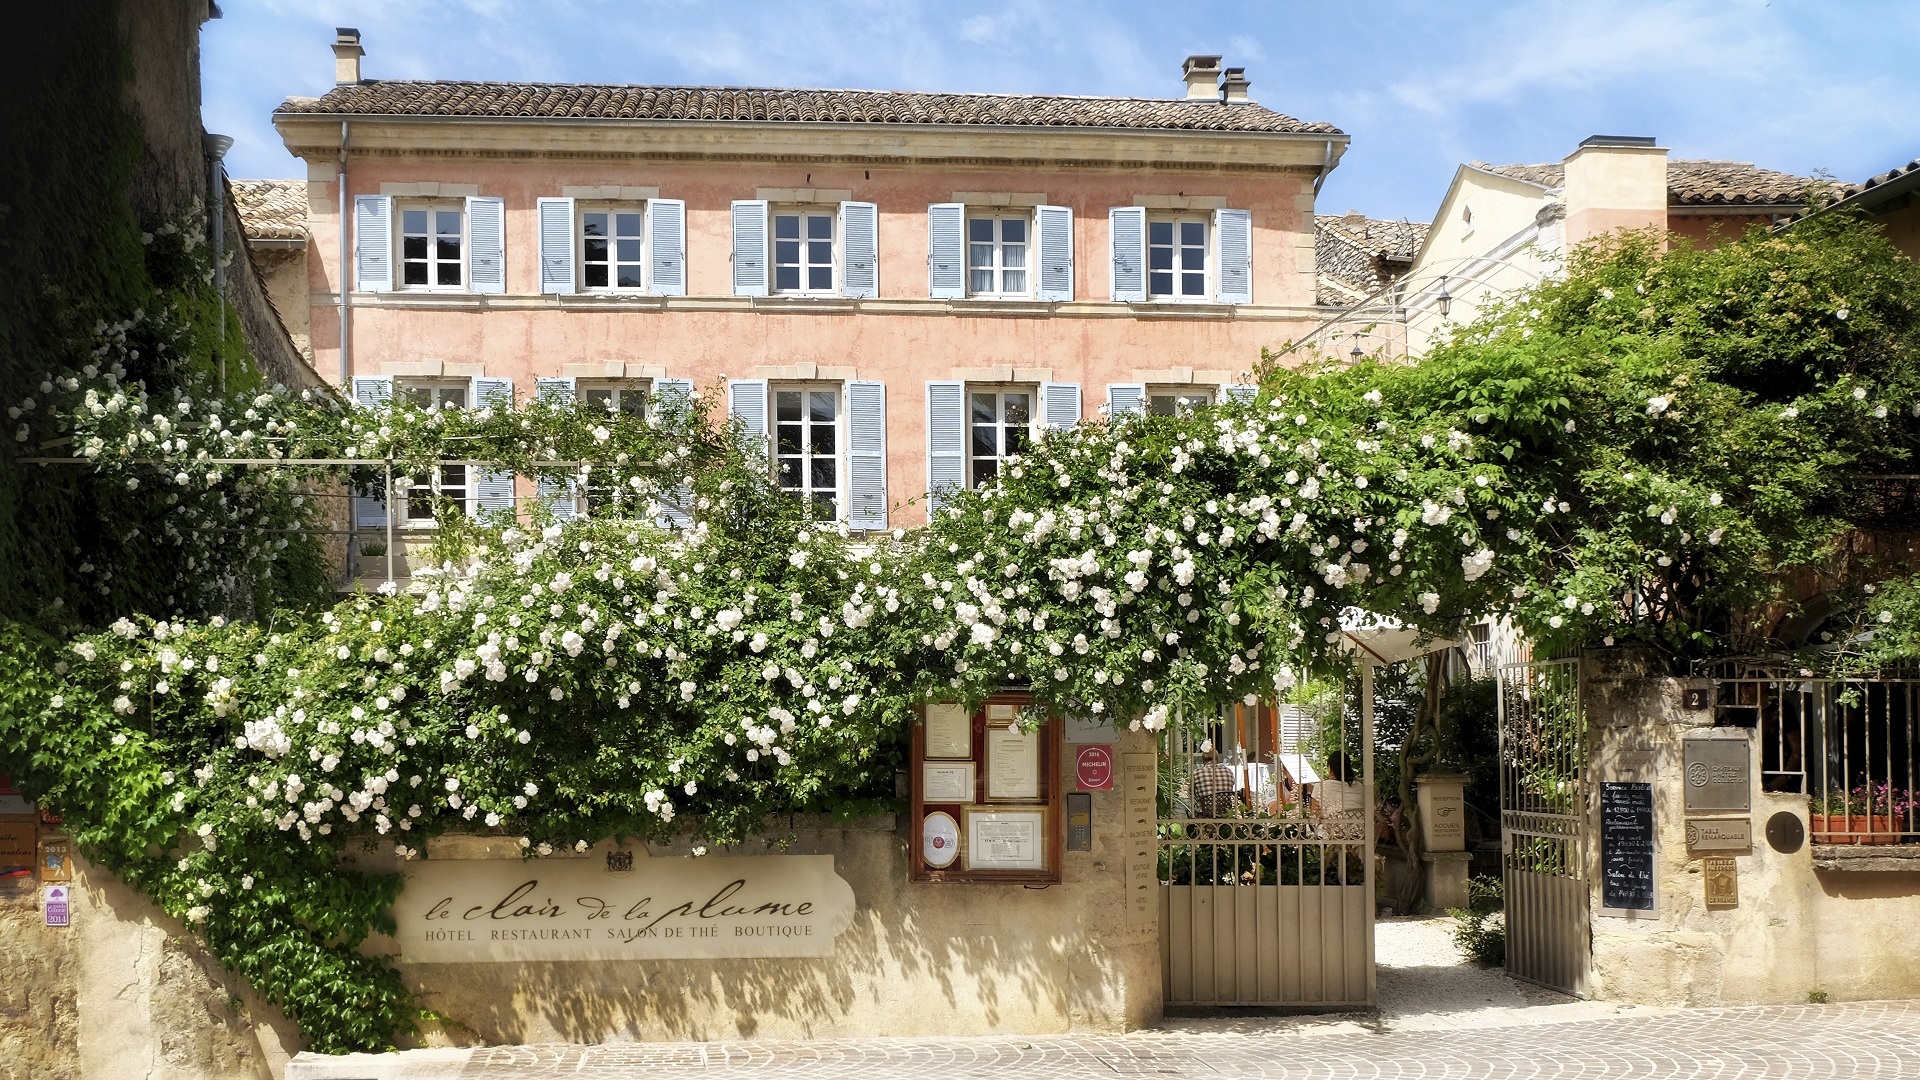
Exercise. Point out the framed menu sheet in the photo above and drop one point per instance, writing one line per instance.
(1006, 839)
(949, 731)
(1013, 764)
(946, 781)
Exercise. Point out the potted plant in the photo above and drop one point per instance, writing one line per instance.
(1882, 808)
(1829, 817)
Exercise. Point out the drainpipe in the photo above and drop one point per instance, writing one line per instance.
(1326, 166)
(346, 294)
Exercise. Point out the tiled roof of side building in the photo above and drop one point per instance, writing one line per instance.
(1355, 254)
(271, 209)
(712, 103)
(1692, 182)
(1887, 177)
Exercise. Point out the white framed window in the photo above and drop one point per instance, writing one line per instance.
(613, 255)
(804, 243)
(997, 252)
(1177, 401)
(807, 445)
(999, 427)
(614, 395)
(1177, 258)
(447, 488)
(432, 245)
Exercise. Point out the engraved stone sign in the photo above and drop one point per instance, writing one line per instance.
(1139, 773)
(1720, 834)
(1718, 775)
(466, 911)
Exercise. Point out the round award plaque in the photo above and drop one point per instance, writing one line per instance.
(939, 840)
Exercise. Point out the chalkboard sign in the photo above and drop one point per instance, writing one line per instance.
(1626, 846)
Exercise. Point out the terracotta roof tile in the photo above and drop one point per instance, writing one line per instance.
(1355, 255)
(486, 99)
(1692, 182)
(271, 209)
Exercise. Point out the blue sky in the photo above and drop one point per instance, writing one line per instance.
(1420, 85)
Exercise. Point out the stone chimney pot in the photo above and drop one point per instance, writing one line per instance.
(1202, 75)
(346, 56)
(1234, 86)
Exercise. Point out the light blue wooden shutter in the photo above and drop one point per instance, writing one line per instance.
(373, 243)
(747, 403)
(859, 250)
(866, 455)
(371, 392)
(1240, 392)
(1127, 234)
(1059, 404)
(556, 245)
(1123, 398)
(1054, 224)
(676, 505)
(563, 496)
(486, 244)
(1235, 230)
(493, 490)
(947, 251)
(946, 442)
(750, 247)
(667, 244)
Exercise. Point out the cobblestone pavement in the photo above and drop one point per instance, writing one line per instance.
(1803, 1042)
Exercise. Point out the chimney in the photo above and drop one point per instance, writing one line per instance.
(1202, 74)
(346, 56)
(1615, 182)
(1233, 87)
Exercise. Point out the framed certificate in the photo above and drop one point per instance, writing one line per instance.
(1013, 764)
(1006, 839)
(939, 840)
(949, 731)
(946, 781)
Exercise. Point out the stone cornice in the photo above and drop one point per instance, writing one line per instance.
(317, 138)
(782, 305)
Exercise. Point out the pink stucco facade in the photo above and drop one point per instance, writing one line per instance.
(902, 338)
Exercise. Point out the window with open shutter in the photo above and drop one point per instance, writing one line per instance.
(1059, 404)
(1054, 226)
(560, 494)
(860, 250)
(486, 244)
(1127, 235)
(866, 455)
(1235, 231)
(750, 247)
(556, 245)
(667, 244)
(373, 243)
(493, 490)
(1124, 398)
(946, 251)
(946, 441)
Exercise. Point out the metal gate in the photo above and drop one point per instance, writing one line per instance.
(1544, 831)
(1266, 863)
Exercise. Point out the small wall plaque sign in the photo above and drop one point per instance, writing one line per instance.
(1722, 877)
(1720, 834)
(56, 902)
(1719, 775)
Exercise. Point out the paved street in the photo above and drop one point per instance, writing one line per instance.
(1801, 1042)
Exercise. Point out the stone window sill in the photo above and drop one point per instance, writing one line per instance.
(1869, 858)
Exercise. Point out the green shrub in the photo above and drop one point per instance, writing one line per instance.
(1481, 928)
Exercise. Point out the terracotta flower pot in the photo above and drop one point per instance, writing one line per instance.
(1853, 829)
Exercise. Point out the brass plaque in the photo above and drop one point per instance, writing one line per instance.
(1722, 876)
(1720, 834)
(17, 844)
(1719, 775)
(1785, 834)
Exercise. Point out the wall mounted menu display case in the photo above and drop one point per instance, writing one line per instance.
(986, 795)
